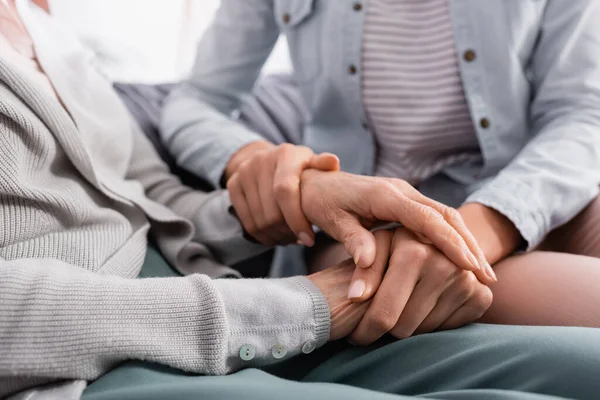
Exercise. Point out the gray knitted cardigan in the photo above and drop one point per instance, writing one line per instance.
(80, 188)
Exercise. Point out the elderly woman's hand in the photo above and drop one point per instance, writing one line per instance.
(345, 206)
(333, 283)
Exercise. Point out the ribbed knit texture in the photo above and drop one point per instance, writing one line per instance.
(77, 200)
(412, 89)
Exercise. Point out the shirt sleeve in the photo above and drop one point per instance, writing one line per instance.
(214, 225)
(61, 322)
(196, 123)
(558, 173)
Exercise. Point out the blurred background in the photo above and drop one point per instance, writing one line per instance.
(146, 41)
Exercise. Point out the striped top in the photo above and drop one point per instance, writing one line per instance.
(412, 89)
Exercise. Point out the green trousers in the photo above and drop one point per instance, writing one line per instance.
(474, 362)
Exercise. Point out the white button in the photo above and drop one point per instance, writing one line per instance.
(308, 347)
(279, 351)
(247, 352)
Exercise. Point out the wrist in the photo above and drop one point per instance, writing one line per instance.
(244, 154)
(333, 283)
(497, 236)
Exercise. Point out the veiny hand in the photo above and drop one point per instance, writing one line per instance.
(422, 291)
(264, 185)
(346, 206)
(333, 283)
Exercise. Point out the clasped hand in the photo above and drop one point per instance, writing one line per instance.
(416, 289)
(429, 274)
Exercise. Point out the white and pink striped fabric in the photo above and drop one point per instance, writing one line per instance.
(412, 89)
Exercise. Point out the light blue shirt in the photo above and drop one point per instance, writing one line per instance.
(530, 70)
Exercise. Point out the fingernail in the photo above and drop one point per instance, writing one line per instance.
(491, 272)
(473, 260)
(357, 257)
(306, 239)
(357, 289)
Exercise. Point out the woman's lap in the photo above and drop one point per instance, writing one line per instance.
(478, 361)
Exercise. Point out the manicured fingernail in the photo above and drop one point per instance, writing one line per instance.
(306, 239)
(357, 289)
(357, 257)
(473, 260)
(490, 272)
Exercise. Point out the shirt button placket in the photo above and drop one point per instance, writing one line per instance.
(469, 55)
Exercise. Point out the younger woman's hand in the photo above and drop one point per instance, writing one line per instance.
(419, 291)
(264, 185)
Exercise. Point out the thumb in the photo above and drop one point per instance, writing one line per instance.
(358, 241)
(366, 281)
(325, 162)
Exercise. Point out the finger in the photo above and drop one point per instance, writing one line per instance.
(325, 162)
(419, 305)
(250, 191)
(275, 223)
(238, 200)
(482, 274)
(471, 310)
(286, 186)
(389, 301)
(454, 218)
(389, 204)
(366, 281)
(359, 243)
(454, 297)
(437, 275)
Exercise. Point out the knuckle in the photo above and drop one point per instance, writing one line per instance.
(466, 284)
(452, 215)
(387, 188)
(429, 216)
(444, 271)
(383, 320)
(285, 148)
(402, 185)
(469, 279)
(273, 217)
(419, 253)
(304, 150)
(257, 159)
(233, 183)
(251, 228)
(402, 332)
(284, 188)
(483, 298)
